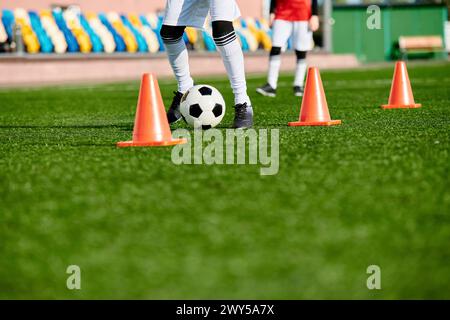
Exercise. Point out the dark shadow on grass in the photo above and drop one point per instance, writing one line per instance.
(63, 144)
(100, 126)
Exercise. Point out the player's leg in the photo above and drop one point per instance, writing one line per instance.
(233, 58)
(281, 31)
(222, 14)
(302, 43)
(300, 72)
(269, 89)
(178, 15)
(177, 53)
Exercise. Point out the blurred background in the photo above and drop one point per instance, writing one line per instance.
(51, 41)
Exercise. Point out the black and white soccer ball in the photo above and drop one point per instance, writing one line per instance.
(202, 106)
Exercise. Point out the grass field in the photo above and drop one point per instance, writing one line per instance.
(374, 190)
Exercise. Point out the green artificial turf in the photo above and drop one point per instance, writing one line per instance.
(373, 191)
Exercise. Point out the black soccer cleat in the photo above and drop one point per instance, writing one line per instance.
(243, 116)
(298, 91)
(267, 91)
(174, 114)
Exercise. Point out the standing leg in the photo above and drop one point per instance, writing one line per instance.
(300, 73)
(303, 42)
(233, 59)
(274, 67)
(281, 30)
(223, 13)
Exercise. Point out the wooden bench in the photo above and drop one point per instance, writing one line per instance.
(420, 45)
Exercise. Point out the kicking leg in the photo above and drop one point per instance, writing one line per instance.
(177, 53)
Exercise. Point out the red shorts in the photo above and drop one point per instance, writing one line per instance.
(293, 10)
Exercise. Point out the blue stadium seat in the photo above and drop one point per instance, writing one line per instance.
(44, 39)
(145, 22)
(120, 43)
(8, 22)
(72, 43)
(97, 45)
(142, 45)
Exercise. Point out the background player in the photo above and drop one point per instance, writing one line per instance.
(298, 18)
(182, 13)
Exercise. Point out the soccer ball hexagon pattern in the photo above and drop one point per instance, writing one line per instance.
(202, 106)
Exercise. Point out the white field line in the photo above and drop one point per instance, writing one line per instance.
(370, 83)
(135, 87)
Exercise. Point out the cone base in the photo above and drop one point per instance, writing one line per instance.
(401, 106)
(314, 123)
(127, 144)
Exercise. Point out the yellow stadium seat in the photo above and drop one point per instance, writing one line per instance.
(148, 34)
(124, 32)
(73, 22)
(192, 35)
(251, 40)
(107, 39)
(57, 37)
(30, 39)
(266, 41)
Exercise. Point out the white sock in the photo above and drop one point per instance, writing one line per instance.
(233, 59)
(274, 70)
(300, 73)
(179, 60)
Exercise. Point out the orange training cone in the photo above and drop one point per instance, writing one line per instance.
(401, 95)
(151, 127)
(314, 110)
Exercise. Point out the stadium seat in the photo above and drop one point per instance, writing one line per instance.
(126, 34)
(69, 30)
(56, 36)
(120, 43)
(260, 35)
(155, 23)
(97, 45)
(209, 41)
(152, 20)
(192, 35)
(72, 44)
(243, 40)
(3, 34)
(44, 39)
(73, 22)
(242, 27)
(30, 39)
(149, 34)
(8, 22)
(106, 37)
(140, 40)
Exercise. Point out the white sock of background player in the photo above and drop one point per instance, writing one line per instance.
(300, 70)
(274, 67)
